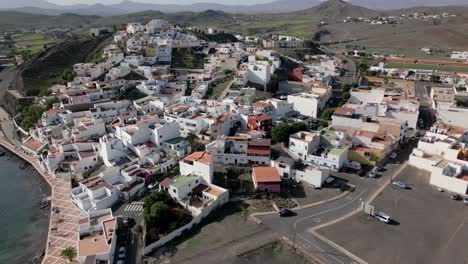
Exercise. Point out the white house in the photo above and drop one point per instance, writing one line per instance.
(310, 104)
(97, 238)
(300, 172)
(322, 151)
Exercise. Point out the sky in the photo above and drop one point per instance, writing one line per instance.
(182, 2)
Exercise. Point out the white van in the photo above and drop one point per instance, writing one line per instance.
(382, 217)
(352, 165)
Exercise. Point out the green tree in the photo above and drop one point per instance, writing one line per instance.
(67, 75)
(323, 123)
(8, 37)
(327, 113)
(68, 254)
(298, 126)
(192, 138)
(435, 78)
(45, 92)
(346, 88)
(280, 133)
(51, 101)
(30, 115)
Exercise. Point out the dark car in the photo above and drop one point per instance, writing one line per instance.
(455, 197)
(286, 212)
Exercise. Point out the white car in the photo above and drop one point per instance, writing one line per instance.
(400, 184)
(153, 185)
(382, 217)
(122, 250)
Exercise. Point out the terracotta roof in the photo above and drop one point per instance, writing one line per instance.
(214, 191)
(260, 142)
(200, 156)
(343, 111)
(266, 174)
(262, 152)
(33, 144)
(166, 182)
(86, 154)
(364, 133)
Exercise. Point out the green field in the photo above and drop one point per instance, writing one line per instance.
(34, 42)
(426, 67)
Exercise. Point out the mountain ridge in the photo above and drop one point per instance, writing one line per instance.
(276, 6)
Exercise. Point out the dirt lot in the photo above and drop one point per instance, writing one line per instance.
(406, 39)
(428, 227)
(227, 233)
(276, 253)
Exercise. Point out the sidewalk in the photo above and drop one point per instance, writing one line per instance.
(63, 223)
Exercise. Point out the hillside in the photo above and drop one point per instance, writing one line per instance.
(14, 19)
(337, 10)
(45, 69)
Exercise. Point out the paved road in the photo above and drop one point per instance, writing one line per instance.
(426, 112)
(297, 228)
(350, 67)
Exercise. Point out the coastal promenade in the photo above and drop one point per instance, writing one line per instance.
(64, 215)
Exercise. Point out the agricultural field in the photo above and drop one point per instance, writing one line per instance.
(32, 42)
(426, 67)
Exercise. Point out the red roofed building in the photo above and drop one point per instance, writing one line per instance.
(266, 179)
(261, 122)
(258, 151)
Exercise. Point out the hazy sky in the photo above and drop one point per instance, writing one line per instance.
(237, 2)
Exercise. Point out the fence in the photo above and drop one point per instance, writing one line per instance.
(205, 212)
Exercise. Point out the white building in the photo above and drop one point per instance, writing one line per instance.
(311, 103)
(97, 238)
(459, 55)
(133, 28)
(287, 169)
(315, 149)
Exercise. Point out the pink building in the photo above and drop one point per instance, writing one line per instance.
(266, 179)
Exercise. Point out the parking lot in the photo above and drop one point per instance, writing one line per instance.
(428, 226)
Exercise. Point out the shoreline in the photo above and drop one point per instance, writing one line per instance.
(28, 217)
(64, 231)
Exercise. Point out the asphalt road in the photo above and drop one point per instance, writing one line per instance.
(424, 221)
(297, 228)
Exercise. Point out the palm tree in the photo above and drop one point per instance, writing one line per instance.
(192, 138)
(68, 254)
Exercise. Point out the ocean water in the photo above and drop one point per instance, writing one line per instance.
(23, 224)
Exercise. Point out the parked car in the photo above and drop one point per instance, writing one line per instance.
(141, 193)
(122, 250)
(393, 155)
(372, 173)
(121, 256)
(286, 212)
(153, 185)
(465, 200)
(455, 196)
(382, 217)
(400, 184)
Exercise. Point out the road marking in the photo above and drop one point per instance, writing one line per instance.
(319, 248)
(456, 231)
(133, 207)
(330, 210)
(326, 211)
